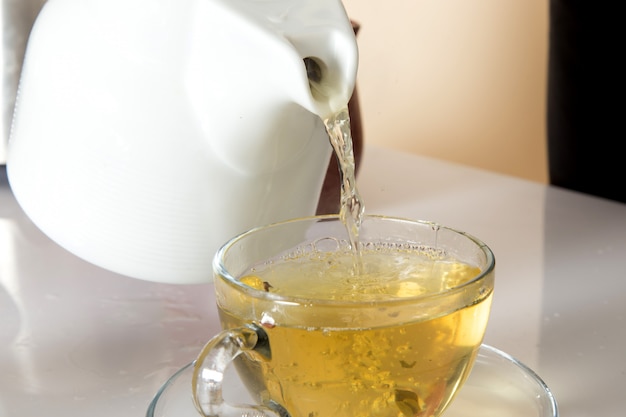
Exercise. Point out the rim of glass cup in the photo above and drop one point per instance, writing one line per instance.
(233, 281)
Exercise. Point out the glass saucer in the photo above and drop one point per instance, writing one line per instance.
(499, 385)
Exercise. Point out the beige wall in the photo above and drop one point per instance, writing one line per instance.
(461, 80)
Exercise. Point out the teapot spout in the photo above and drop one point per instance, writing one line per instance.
(316, 33)
(327, 45)
(280, 66)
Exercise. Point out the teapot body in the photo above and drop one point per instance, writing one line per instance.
(148, 132)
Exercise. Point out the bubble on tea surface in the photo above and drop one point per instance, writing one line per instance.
(257, 283)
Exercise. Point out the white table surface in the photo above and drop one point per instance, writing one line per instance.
(76, 340)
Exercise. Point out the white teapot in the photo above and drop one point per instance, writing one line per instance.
(148, 132)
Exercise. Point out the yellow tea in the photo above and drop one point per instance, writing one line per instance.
(394, 340)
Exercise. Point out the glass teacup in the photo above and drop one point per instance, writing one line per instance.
(317, 328)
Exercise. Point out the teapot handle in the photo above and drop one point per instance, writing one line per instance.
(209, 368)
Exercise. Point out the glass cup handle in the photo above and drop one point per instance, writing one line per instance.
(211, 364)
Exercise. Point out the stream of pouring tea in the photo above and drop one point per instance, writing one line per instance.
(340, 136)
(352, 207)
